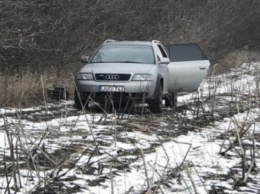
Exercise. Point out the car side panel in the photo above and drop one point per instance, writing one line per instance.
(186, 76)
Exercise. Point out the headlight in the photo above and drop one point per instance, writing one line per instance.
(85, 76)
(142, 77)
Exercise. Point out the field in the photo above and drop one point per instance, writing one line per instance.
(208, 144)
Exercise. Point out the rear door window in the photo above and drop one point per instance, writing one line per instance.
(185, 52)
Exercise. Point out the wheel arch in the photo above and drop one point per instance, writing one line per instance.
(160, 80)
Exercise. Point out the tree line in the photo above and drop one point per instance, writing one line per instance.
(47, 35)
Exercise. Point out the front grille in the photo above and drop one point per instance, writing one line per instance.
(112, 77)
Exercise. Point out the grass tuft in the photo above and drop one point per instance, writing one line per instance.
(234, 60)
(23, 90)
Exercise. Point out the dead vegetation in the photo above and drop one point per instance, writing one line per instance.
(84, 145)
(46, 39)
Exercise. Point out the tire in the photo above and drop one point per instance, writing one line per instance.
(77, 101)
(171, 100)
(155, 104)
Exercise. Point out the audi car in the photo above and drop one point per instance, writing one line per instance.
(123, 71)
(120, 71)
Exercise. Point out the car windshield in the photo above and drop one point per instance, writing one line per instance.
(124, 54)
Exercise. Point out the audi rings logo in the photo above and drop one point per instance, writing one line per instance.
(112, 77)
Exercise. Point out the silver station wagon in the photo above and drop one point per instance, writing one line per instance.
(139, 71)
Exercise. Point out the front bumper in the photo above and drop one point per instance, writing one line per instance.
(137, 90)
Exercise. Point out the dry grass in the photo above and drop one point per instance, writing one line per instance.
(28, 89)
(237, 58)
(234, 60)
(21, 90)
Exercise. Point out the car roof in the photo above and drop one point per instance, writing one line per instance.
(142, 43)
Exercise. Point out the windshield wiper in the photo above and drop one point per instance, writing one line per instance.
(100, 62)
(127, 62)
(117, 62)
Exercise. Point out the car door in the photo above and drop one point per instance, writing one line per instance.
(187, 68)
(162, 67)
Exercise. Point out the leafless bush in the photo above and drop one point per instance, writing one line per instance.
(54, 34)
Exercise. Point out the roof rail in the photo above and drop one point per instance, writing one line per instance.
(109, 40)
(156, 41)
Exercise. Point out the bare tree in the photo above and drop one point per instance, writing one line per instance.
(54, 33)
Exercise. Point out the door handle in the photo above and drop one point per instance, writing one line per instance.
(202, 68)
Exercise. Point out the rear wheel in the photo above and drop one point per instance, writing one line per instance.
(155, 104)
(171, 100)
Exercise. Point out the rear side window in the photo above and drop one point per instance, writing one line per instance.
(185, 52)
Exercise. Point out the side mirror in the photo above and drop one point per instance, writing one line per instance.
(164, 60)
(84, 59)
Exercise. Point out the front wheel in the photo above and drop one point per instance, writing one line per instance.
(155, 104)
(78, 102)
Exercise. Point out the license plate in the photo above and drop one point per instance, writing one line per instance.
(111, 88)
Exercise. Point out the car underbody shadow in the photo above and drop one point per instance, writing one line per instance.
(129, 107)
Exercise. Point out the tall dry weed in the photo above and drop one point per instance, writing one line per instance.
(22, 90)
(234, 60)
(25, 88)
(237, 58)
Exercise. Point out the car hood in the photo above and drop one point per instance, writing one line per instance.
(129, 68)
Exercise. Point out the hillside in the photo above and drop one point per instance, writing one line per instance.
(36, 34)
(41, 41)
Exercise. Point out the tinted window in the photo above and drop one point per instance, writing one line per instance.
(185, 52)
(124, 54)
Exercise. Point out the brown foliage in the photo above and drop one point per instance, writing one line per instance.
(52, 34)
